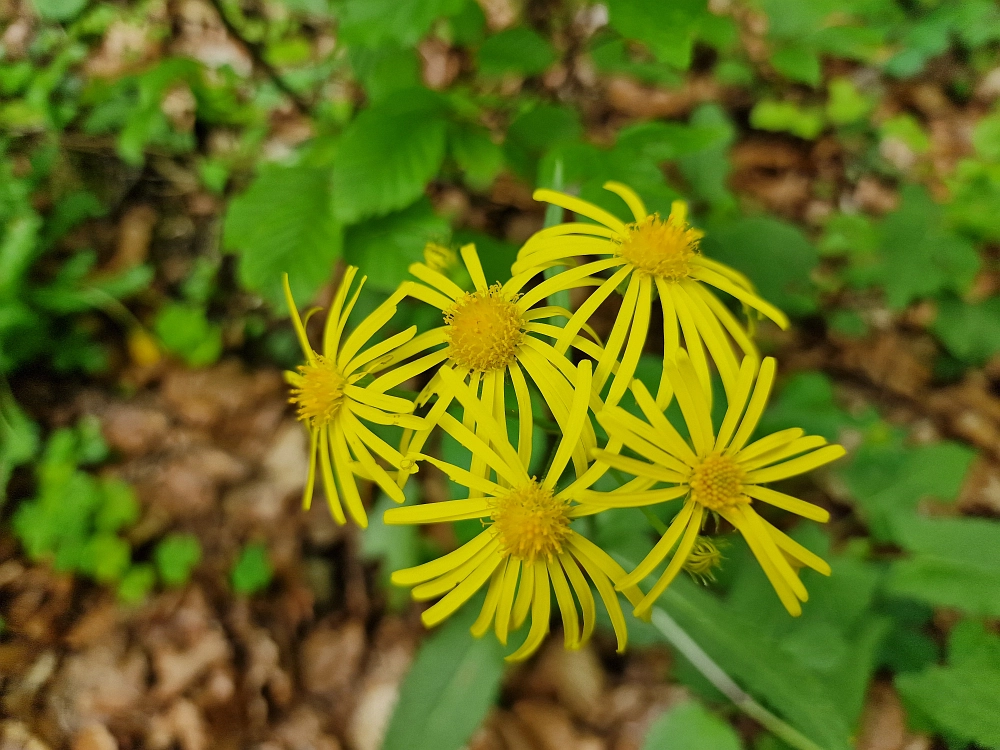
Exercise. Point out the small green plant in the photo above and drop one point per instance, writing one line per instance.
(176, 556)
(252, 572)
(74, 521)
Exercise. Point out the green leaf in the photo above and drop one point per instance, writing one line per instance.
(395, 547)
(384, 248)
(105, 557)
(388, 154)
(518, 50)
(136, 584)
(846, 104)
(176, 556)
(955, 563)
(986, 137)
(477, 155)
(776, 256)
(668, 29)
(252, 572)
(284, 224)
(805, 122)
(385, 69)
(969, 331)
(960, 701)
(918, 257)
(906, 128)
(19, 440)
(798, 64)
(888, 480)
(118, 506)
(59, 10)
(453, 683)
(371, 22)
(760, 665)
(690, 726)
(536, 131)
(184, 330)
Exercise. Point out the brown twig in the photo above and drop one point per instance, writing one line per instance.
(257, 55)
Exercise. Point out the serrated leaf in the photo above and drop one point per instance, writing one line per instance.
(384, 248)
(388, 154)
(668, 29)
(518, 50)
(284, 223)
(960, 701)
(969, 331)
(690, 726)
(917, 257)
(477, 155)
(371, 22)
(776, 256)
(451, 686)
(955, 563)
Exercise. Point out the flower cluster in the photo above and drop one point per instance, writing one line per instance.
(501, 339)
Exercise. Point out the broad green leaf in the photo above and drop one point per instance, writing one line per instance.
(252, 572)
(986, 137)
(917, 257)
(385, 69)
(889, 479)
(805, 122)
(388, 154)
(955, 563)
(136, 584)
(176, 556)
(975, 189)
(384, 248)
(284, 224)
(371, 22)
(59, 10)
(476, 155)
(970, 642)
(960, 701)
(690, 726)
(776, 256)
(185, 331)
(668, 29)
(906, 128)
(518, 50)
(969, 331)
(105, 557)
(537, 131)
(846, 104)
(449, 689)
(798, 64)
(759, 664)
(119, 506)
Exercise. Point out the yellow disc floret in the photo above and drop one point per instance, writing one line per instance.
(531, 522)
(661, 248)
(484, 329)
(717, 482)
(317, 390)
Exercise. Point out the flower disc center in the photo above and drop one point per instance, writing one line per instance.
(661, 248)
(317, 391)
(531, 522)
(484, 329)
(717, 483)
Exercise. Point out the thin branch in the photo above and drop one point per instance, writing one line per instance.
(257, 54)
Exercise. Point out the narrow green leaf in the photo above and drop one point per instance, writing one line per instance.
(448, 691)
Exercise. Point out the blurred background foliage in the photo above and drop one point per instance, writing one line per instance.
(845, 154)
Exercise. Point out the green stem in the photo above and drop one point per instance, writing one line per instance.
(725, 684)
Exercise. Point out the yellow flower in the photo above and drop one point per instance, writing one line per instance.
(489, 336)
(715, 474)
(527, 545)
(334, 406)
(650, 252)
